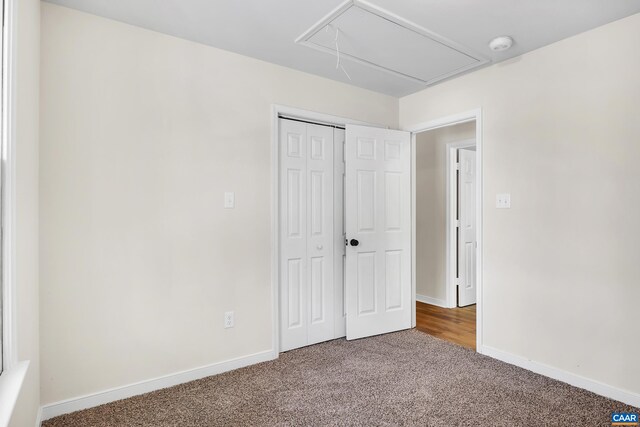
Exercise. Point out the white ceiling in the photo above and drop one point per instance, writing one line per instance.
(267, 30)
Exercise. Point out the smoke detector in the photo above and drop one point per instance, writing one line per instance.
(501, 43)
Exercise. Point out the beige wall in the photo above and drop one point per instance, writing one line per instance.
(561, 135)
(431, 207)
(142, 134)
(26, 188)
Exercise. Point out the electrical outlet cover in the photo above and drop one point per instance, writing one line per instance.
(229, 319)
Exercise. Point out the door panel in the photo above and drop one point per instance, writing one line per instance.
(293, 242)
(366, 283)
(393, 280)
(392, 206)
(320, 239)
(317, 202)
(318, 284)
(307, 234)
(366, 196)
(295, 198)
(378, 216)
(467, 234)
(294, 288)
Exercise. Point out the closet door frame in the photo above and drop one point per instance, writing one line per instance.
(278, 112)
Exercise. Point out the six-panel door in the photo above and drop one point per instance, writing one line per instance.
(378, 228)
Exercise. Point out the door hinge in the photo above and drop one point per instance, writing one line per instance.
(458, 166)
(457, 223)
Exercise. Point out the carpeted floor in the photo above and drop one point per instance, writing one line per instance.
(406, 378)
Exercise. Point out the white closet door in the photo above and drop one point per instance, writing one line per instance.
(378, 226)
(306, 234)
(320, 238)
(293, 233)
(467, 234)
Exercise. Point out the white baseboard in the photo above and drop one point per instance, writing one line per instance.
(88, 401)
(100, 398)
(433, 301)
(39, 417)
(624, 396)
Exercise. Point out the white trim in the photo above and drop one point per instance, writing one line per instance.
(455, 119)
(13, 372)
(305, 40)
(468, 116)
(9, 336)
(297, 113)
(432, 301)
(624, 396)
(275, 231)
(100, 398)
(413, 231)
(10, 385)
(323, 22)
(480, 231)
(452, 204)
(39, 417)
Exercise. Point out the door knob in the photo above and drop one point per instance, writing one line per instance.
(319, 247)
(354, 242)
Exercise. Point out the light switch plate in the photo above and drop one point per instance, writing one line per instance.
(229, 200)
(503, 201)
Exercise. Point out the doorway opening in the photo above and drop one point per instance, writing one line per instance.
(447, 228)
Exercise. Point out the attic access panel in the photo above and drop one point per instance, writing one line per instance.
(377, 38)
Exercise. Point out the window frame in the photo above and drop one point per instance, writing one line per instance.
(7, 189)
(13, 371)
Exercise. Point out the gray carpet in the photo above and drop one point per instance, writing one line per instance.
(406, 378)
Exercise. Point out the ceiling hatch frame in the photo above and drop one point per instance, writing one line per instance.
(305, 40)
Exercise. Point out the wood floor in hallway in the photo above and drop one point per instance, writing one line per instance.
(456, 325)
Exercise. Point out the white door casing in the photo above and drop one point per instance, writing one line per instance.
(306, 234)
(467, 232)
(378, 216)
